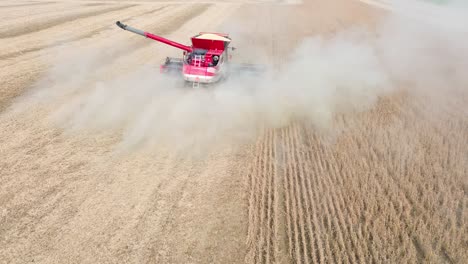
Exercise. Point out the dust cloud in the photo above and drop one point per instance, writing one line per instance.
(426, 52)
(324, 76)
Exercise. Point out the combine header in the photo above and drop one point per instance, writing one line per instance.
(205, 61)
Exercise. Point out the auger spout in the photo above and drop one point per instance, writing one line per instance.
(154, 37)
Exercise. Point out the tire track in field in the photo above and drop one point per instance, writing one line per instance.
(14, 32)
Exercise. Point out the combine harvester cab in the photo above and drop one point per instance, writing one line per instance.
(206, 61)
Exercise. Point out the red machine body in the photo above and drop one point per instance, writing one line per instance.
(167, 41)
(204, 61)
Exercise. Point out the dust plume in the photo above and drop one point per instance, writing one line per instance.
(424, 50)
(323, 77)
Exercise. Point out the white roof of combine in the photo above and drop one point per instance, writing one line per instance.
(212, 37)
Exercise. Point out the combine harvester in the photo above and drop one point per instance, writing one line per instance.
(206, 61)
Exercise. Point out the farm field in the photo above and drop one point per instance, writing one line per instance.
(102, 161)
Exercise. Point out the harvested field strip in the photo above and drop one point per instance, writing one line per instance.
(12, 31)
(168, 22)
(49, 11)
(31, 4)
(83, 35)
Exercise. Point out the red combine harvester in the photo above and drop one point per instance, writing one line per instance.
(206, 61)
